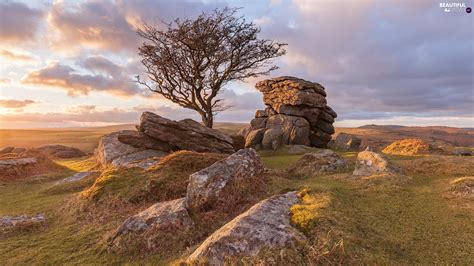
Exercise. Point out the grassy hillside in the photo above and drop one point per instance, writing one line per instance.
(406, 219)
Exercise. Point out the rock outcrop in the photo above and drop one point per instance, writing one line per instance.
(110, 148)
(185, 134)
(25, 164)
(142, 159)
(205, 186)
(113, 152)
(371, 163)
(325, 161)
(346, 142)
(163, 215)
(265, 225)
(296, 113)
(61, 151)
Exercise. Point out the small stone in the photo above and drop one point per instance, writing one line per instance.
(371, 163)
(318, 162)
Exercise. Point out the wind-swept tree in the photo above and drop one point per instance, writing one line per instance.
(191, 60)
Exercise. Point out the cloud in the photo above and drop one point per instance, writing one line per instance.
(90, 115)
(18, 22)
(14, 56)
(115, 82)
(112, 25)
(14, 104)
(99, 25)
(383, 57)
(82, 109)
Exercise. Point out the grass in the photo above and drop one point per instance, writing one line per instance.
(164, 181)
(404, 219)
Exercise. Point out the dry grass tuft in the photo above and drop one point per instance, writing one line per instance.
(166, 180)
(409, 147)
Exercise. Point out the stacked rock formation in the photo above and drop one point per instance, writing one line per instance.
(296, 113)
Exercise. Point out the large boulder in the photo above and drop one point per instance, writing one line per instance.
(272, 138)
(265, 225)
(206, 185)
(244, 131)
(371, 163)
(160, 216)
(110, 148)
(254, 137)
(139, 140)
(347, 142)
(61, 151)
(185, 134)
(141, 159)
(296, 114)
(291, 91)
(318, 162)
(295, 130)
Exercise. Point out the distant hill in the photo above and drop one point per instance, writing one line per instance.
(380, 136)
(376, 136)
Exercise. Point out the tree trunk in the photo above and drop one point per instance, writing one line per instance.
(207, 120)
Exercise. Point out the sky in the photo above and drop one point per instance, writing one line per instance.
(73, 63)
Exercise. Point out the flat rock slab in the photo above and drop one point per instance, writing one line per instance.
(110, 148)
(185, 134)
(20, 220)
(372, 163)
(265, 225)
(318, 162)
(139, 159)
(76, 177)
(205, 186)
(162, 215)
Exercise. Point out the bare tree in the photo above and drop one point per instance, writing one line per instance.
(190, 60)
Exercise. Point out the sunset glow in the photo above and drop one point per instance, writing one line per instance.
(382, 62)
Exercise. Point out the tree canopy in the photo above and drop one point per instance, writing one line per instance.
(189, 61)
